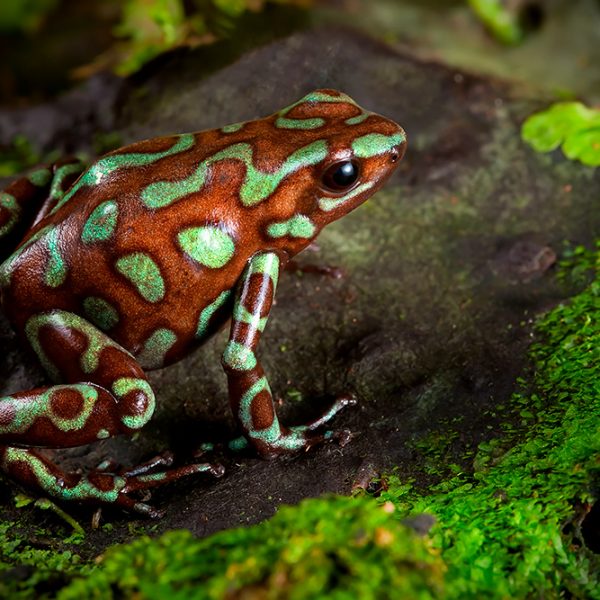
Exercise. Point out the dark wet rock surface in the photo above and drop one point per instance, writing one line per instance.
(444, 270)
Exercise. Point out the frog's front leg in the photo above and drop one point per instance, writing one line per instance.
(107, 394)
(249, 392)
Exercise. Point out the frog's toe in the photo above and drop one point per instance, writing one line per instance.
(147, 480)
(165, 459)
(340, 403)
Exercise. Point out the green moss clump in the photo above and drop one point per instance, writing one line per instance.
(326, 548)
(511, 529)
(28, 572)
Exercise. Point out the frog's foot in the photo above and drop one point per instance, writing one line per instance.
(276, 440)
(33, 470)
(165, 459)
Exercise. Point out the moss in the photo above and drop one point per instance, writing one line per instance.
(335, 547)
(512, 527)
(30, 572)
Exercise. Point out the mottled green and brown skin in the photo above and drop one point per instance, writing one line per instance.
(147, 253)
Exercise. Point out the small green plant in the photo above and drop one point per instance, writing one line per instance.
(571, 124)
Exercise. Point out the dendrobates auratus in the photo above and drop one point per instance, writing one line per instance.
(130, 264)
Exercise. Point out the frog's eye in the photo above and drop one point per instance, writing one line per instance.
(341, 175)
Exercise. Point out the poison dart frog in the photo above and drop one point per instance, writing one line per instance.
(130, 264)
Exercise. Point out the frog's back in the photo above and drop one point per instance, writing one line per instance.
(114, 249)
(150, 241)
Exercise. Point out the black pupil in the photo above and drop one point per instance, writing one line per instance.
(341, 175)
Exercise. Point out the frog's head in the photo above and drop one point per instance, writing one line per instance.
(344, 154)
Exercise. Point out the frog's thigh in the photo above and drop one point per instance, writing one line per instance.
(28, 199)
(106, 391)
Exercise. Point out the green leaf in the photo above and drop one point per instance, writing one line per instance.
(571, 124)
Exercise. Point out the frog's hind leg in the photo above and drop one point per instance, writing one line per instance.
(28, 199)
(108, 395)
(249, 391)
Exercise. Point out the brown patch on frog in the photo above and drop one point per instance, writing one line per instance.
(66, 404)
(259, 294)
(261, 411)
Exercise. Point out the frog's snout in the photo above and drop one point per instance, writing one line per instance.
(398, 150)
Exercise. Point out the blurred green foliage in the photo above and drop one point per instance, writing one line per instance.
(571, 125)
(501, 22)
(150, 27)
(23, 15)
(18, 157)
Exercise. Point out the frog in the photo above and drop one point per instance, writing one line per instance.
(130, 264)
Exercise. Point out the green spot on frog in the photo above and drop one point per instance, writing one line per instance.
(209, 311)
(232, 128)
(56, 190)
(101, 223)
(10, 205)
(156, 347)
(284, 123)
(358, 119)
(56, 268)
(257, 185)
(268, 263)
(298, 226)
(373, 144)
(208, 245)
(326, 203)
(123, 386)
(24, 415)
(317, 97)
(55, 485)
(100, 312)
(239, 357)
(108, 164)
(144, 274)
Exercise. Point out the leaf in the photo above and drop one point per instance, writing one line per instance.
(571, 124)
